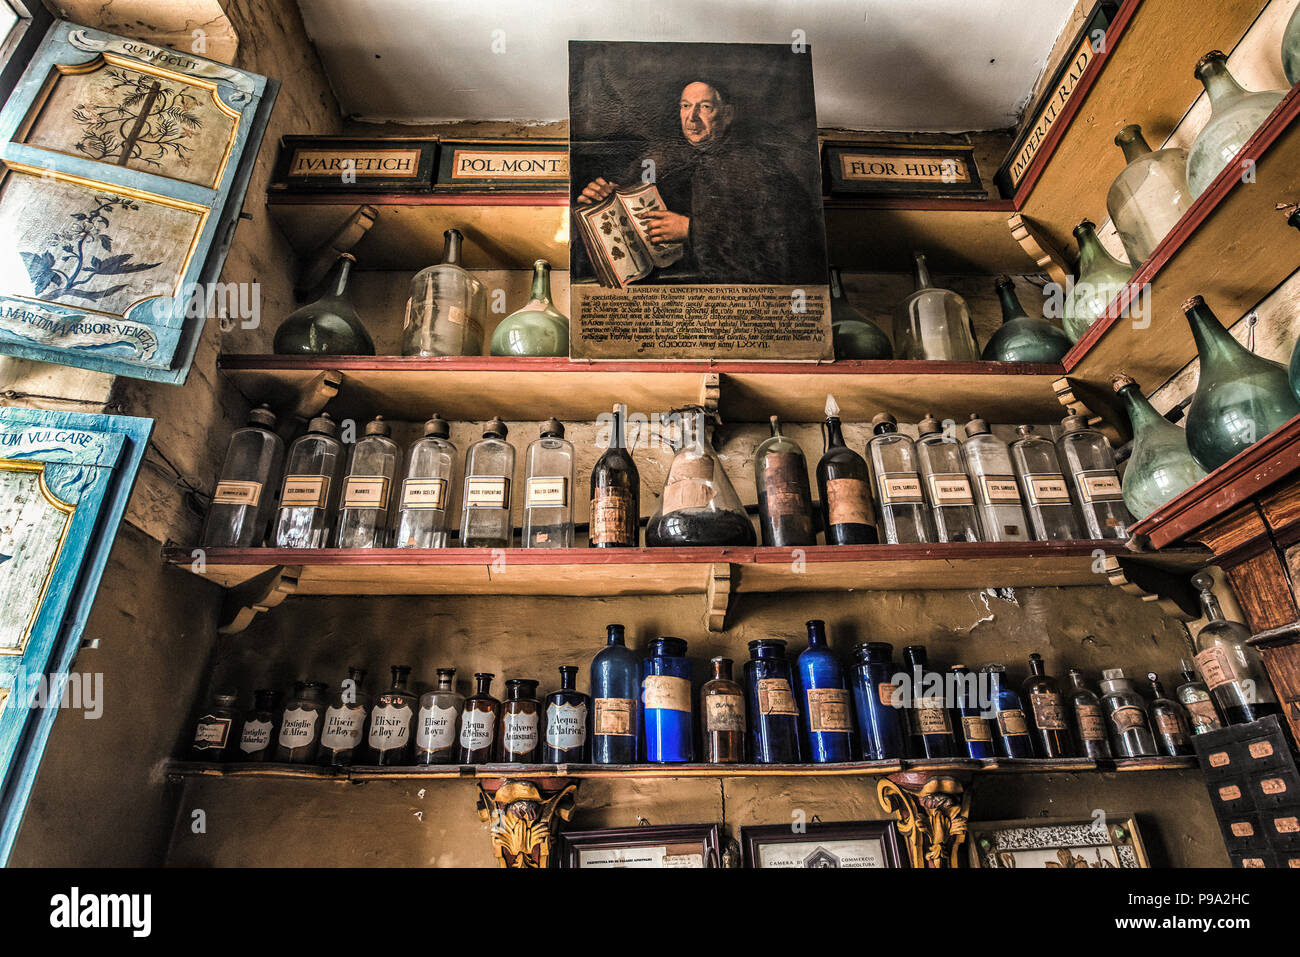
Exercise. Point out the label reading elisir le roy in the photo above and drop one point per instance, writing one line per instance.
(390, 724)
(566, 726)
(476, 729)
(611, 516)
(828, 710)
(342, 728)
(614, 716)
(435, 729)
(724, 712)
(1048, 713)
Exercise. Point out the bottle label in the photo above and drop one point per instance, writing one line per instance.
(476, 729)
(1127, 718)
(1099, 485)
(211, 733)
(785, 479)
(975, 728)
(1204, 718)
(1217, 666)
(298, 727)
(1169, 724)
(435, 728)
(342, 728)
(900, 488)
(614, 716)
(550, 491)
(1091, 726)
(365, 491)
(829, 710)
(256, 736)
(566, 726)
(305, 491)
(611, 516)
(487, 491)
(664, 692)
(519, 732)
(1012, 722)
(424, 493)
(237, 493)
(950, 488)
(390, 726)
(1047, 488)
(1261, 749)
(1000, 490)
(932, 716)
(885, 692)
(1048, 713)
(848, 502)
(724, 712)
(684, 493)
(775, 697)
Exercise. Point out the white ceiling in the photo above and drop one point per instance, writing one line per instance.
(926, 65)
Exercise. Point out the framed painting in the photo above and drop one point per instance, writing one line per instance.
(1105, 841)
(856, 844)
(676, 845)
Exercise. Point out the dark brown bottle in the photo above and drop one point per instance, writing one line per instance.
(616, 492)
(844, 485)
(345, 722)
(257, 737)
(214, 735)
(519, 732)
(1168, 721)
(478, 722)
(300, 724)
(722, 716)
(1043, 695)
(785, 515)
(391, 720)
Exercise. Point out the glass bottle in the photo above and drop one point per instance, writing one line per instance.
(1021, 338)
(699, 505)
(615, 701)
(344, 722)
(427, 488)
(1168, 721)
(784, 498)
(722, 713)
(309, 494)
(844, 485)
(519, 735)
(933, 323)
(1231, 667)
(1160, 465)
(904, 517)
(976, 733)
(478, 723)
(300, 724)
(1044, 490)
(1010, 724)
(1126, 717)
(1101, 278)
(1240, 397)
(666, 702)
(256, 742)
(1291, 49)
(390, 721)
(932, 734)
(489, 471)
(1293, 368)
(437, 724)
(880, 719)
(548, 489)
(770, 701)
(616, 491)
(1089, 464)
(947, 483)
(538, 329)
(997, 495)
(1202, 714)
(823, 694)
(244, 500)
(566, 721)
(367, 490)
(444, 316)
(329, 326)
(855, 336)
(1051, 735)
(1149, 197)
(214, 735)
(1235, 115)
(1087, 725)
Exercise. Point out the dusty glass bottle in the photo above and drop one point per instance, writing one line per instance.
(1044, 489)
(904, 516)
(256, 742)
(519, 732)
(1010, 725)
(947, 483)
(773, 709)
(1043, 694)
(548, 489)
(489, 472)
(699, 504)
(427, 489)
(368, 488)
(1089, 464)
(444, 316)
(823, 696)
(785, 515)
(666, 711)
(309, 494)
(881, 724)
(1149, 197)
(1198, 703)
(1087, 724)
(329, 326)
(567, 711)
(616, 491)
(1022, 338)
(933, 323)
(244, 499)
(844, 486)
(1168, 721)
(478, 723)
(214, 734)
(538, 329)
(615, 701)
(855, 336)
(300, 723)
(997, 495)
(1291, 48)
(1126, 717)
(1160, 465)
(390, 721)
(1101, 278)
(722, 716)
(976, 732)
(344, 722)
(1231, 667)
(437, 724)
(1235, 115)
(932, 734)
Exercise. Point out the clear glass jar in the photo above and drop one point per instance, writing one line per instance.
(1230, 665)
(1101, 278)
(437, 725)
(427, 489)
(243, 502)
(345, 721)
(947, 483)
(1089, 464)
(1150, 196)
(1126, 717)
(784, 496)
(896, 474)
(538, 329)
(699, 506)
(997, 496)
(309, 494)
(548, 489)
(933, 323)
(368, 488)
(1043, 487)
(1235, 115)
(445, 314)
(489, 472)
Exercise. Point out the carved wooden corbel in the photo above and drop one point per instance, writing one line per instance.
(257, 596)
(710, 392)
(718, 597)
(524, 823)
(931, 810)
(1041, 249)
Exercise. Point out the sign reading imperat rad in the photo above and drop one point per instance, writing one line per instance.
(695, 186)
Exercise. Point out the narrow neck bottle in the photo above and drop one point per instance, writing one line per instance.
(483, 685)
(1213, 342)
(1210, 605)
(1011, 308)
(721, 669)
(446, 679)
(541, 281)
(614, 635)
(922, 272)
(451, 251)
(834, 435)
(816, 633)
(568, 677)
(1132, 142)
(400, 675)
(1141, 414)
(1219, 83)
(1091, 252)
(618, 437)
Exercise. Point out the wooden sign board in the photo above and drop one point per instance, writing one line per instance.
(511, 166)
(901, 170)
(354, 165)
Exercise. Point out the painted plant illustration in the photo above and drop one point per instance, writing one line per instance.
(148, 121)
(81, 252)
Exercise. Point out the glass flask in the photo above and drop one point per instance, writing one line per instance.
(976, 733)
(784, 498)
(444, 316)
(1160, 465)
(770, 701)
(1240, 397)
(1089, 464)
(244, 500)
(615, 491)
(903, 515)
(699, 505)
(538, 329)
(855, 336)
(427, 488)
(390, 721)
(1044, 489)
(933, 323)
(309, 494)
(329, 326)
(1168, 721)
(478, 722)
(722, 713)
(1010, 725)
(615, 701)
(1291, 48)
(947, 483)
(1126, 717)
(666, 702)
(1021, 338)
(255, 737)
(844, 486)
(548, 489)
(1198, 703)
(1051, 735)
(368, 487)
(1087, 724)
(823, 693)
(1231, 667)
(1235, 115)
(880, 720)
(489, 471)
(519, 736)
(997, 495)
(932, 734)
(1150, 196)
(1101, 279)
(214, 734)
(566, 721)
(344, 722)
(300, 724)
(437, 724)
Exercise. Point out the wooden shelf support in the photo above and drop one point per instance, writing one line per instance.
(1170, 590)
(524, 819)
(932, 811)
(1040, 249)
(718, 596)
(257, 596)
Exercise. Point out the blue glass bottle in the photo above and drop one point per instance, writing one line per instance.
(565, 717)
(932, 736)
(976, 731)
(824, 696)
(880, 722)
(666, 702)
(1010, 728)
(615, 701)
(773, 710)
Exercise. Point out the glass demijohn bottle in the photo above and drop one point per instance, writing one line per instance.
(548, 489)
(1160, 465)
(1291, 48)
(427, 488)
(784, 498)
(310, 491)
(855, 336)
(1149, 197)
(367, 489)
(489, 472)
(444, 316)
(243, 502)
(904, 516)
(538, 329)
(1101, 279)
(1235, 115)
(329, 326)
(1230, 665)
(933, 323)
(1021, 338)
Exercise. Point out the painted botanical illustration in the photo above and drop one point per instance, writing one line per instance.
(148, 121)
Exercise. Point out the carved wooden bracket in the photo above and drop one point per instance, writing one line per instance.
(310, 402)
(1100, 405)
(524, 822)
(256, 596)
(1041, 249)
(718, 597)
(343, 240)
(1170, 590)
(710, 392)
(931, 809)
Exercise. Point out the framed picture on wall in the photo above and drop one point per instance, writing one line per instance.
(675, 845)
(1106, 841)
(837, 844)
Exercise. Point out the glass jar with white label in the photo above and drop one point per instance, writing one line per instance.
(344, 722)
(309, 494)
(566, 716)
(256, 739)
(997, 495)
(426, 496)
(1043, 487)
(946, 482)
(896, 477)
(478, 723)
(1089, 464)
(548, 489)
(437, 725)
(391, 718)
(364, 503)
(214, 735)
(244, 499)
(489, 472)
(300, 724)
(519, 732)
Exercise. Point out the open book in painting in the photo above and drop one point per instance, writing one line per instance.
(618, 243)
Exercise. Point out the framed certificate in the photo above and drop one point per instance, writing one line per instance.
(677, 845)
(840, 844)
(1104, 841)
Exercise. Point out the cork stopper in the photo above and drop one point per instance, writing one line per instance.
(1193, 303)
(1209, 58)
(883, 422)
(552, 428)
(378, 426)
(1121, 380)
(1074, 422)
(323, 425)
(495, 429)
(929, 425)
(1003, 282)
(437, 426)
(976, 425)
(262, 416)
